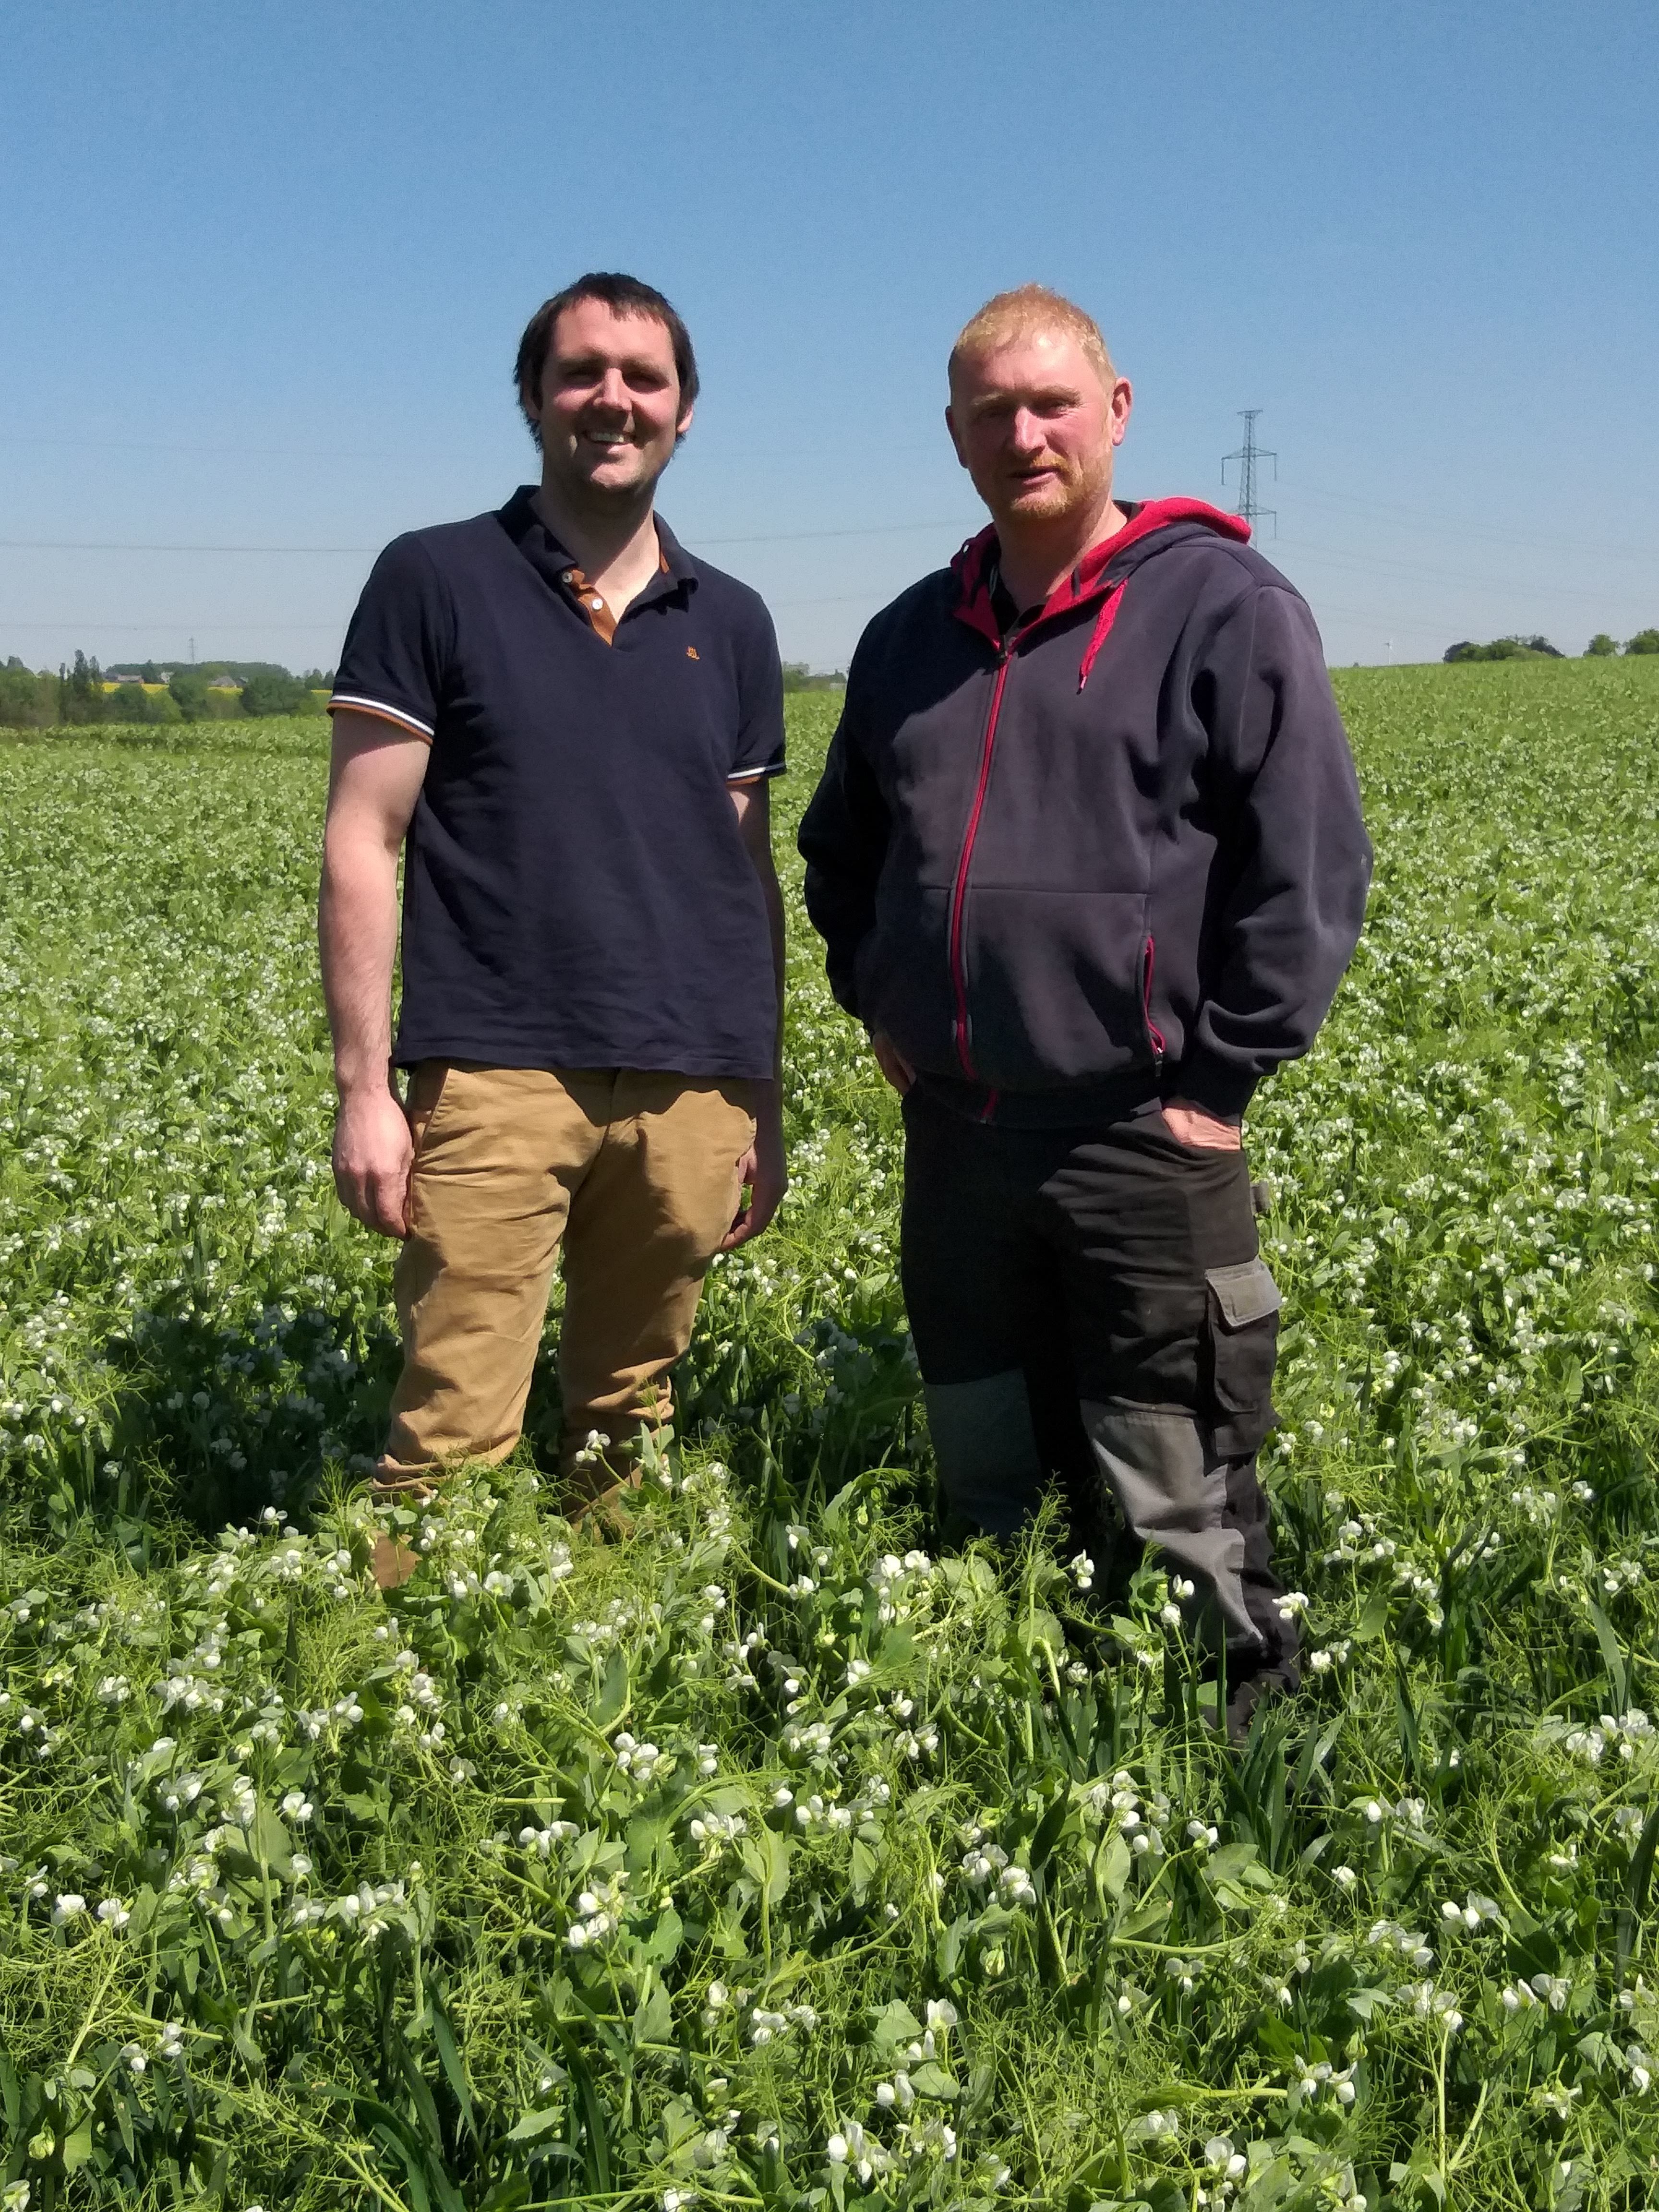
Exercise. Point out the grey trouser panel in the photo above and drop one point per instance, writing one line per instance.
(1092, 1303)
(986, 1448)
(1172, 1490)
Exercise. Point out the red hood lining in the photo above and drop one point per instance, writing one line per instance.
(972, 564)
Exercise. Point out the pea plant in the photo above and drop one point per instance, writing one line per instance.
(770, 1852)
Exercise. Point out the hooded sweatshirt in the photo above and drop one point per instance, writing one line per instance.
(1115, 855)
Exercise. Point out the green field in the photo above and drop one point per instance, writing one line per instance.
(773, 1857)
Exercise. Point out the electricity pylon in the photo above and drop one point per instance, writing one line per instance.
(1246, 456)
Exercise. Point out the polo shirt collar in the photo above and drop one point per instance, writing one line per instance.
(550, 559)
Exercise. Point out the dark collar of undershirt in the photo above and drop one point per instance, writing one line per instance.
(1008, 617)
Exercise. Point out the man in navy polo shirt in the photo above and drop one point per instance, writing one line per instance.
(567, 726)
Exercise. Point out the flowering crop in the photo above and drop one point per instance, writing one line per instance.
(769, 1854)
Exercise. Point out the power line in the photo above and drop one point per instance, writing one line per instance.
(99, 545)
(1416, 571)
(1246, 456)
(752, 538)
(1543, 537)
(207, 630)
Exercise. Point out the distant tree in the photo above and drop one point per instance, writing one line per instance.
(1505, 649)
(1599, 646)
(272, 691)
(150, 674)
(1645, 640)
(188, 690)
(28, 701)
(799, 676)
(82, 691)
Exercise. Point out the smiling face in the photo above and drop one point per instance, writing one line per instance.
(609, 413)
(1036, 426)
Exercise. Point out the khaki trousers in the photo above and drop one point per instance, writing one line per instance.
(635, 1173)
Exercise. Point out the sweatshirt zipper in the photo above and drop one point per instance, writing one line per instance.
(958, 892)
(1154, 1035)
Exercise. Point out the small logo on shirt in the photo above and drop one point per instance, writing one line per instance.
(691, 653)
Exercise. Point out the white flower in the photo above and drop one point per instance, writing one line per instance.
(133, 2058)
(113, 1913)
(835, 2150)
(69, 1907)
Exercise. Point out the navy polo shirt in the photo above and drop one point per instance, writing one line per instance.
(576, 893)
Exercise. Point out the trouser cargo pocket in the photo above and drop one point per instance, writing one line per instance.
(1241, 1343)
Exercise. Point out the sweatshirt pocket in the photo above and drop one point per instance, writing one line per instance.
(901, 974)
(1056, 985)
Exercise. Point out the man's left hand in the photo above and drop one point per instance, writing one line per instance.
(764, 1173)
(1205, 1133)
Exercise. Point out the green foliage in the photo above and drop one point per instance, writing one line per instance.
(82, 693)
(1645, 640)
(271, 691)
(28, 701)
(1601, 646)
(189, 688)
(1504, 648)
(799, 676)
(766, 1856)
(146, 709)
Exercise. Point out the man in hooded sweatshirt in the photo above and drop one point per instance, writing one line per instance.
(1088, 860)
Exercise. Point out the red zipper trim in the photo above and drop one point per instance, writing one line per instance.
(1154, 1035)
(958, 892)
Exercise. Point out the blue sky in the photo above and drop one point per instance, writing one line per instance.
(264, 269)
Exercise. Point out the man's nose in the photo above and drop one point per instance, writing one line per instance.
(612, 391)
(1025, 433)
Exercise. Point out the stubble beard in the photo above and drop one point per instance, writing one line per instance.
(586, 494)
(1078, 493)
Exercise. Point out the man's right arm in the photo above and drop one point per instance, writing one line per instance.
(843, 841)
(374, 779)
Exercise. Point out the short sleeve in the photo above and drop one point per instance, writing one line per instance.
(398, 643)
(757, 751)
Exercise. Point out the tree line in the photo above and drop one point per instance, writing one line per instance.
(1600, 648)
(216, 691)
(75, 694)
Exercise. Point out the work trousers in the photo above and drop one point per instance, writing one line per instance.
(1091, 1303)
(634, 1173)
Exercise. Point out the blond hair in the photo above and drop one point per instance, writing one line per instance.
(1020, 313)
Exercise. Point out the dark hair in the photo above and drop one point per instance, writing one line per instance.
(623, 295)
